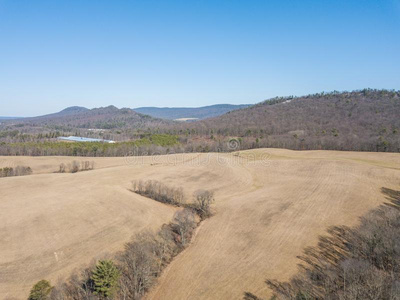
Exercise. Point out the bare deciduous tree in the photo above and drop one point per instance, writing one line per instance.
(204, 199)
(143, 259)
(159, 192)
(139, 265)
(62, 168)
(185, 223)
(17, 171)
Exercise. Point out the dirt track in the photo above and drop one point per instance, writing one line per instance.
(271, 203)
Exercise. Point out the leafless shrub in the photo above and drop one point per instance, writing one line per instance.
(21, 170)
(204, 199)
(167, 246)
(17, 171)
(159, 192)
(76, 166)
(87, 165)
(145, 257)
(184, 225)
(62, 169)
(79, 286)
(139, 265)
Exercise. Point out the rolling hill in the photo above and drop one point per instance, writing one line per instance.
(366, 120)
(270, 205)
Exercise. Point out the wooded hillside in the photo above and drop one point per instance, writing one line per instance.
(367, 120)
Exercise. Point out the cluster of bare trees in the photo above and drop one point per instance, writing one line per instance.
(144, 258)
(17, 171)
(158, 191)
(136, 269)
(76, 166)
(203, 201)
(139, 264)
(351, 263)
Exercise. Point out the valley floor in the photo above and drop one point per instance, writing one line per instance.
(270, 205)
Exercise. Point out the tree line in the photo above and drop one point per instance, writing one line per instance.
(75, 166)
(202, 199)
(350, 263)
(17, 171)
(148, 145)
(364, 120)
(132, 272)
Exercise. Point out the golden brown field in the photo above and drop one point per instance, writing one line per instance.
(270, 205)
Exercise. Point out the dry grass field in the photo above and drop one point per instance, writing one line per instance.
(270, 205)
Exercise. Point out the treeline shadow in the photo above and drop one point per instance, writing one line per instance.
(350, 263)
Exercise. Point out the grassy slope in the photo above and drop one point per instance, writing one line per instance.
(267, 213)
(271, 203)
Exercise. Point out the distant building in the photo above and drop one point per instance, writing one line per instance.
(83, 139)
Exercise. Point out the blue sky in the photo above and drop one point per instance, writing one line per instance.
(55, 54)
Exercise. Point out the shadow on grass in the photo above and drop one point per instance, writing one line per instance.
(350, 263)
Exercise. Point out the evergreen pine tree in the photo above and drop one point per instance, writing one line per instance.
(105, 278)
(40, 290)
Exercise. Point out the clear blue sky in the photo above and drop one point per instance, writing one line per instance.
(55, 54)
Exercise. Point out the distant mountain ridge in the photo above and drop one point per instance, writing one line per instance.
(73, 110)
(168, 113)
(103, 117)
(361, 120)
(204, 112)
(112, 117)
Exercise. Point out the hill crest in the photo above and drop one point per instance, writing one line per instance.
(204, 112)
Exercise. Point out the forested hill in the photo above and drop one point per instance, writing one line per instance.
(103, 118)
(173, 113)
(366, 120)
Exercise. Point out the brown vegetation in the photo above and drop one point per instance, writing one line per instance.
(272, 204)
(144, 258)
(75, 166)
(364, 120)
(351, 263)
(139, 265)
(17, 171)
(158, 191)
(204, 199)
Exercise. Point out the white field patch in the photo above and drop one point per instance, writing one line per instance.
(186, 119)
